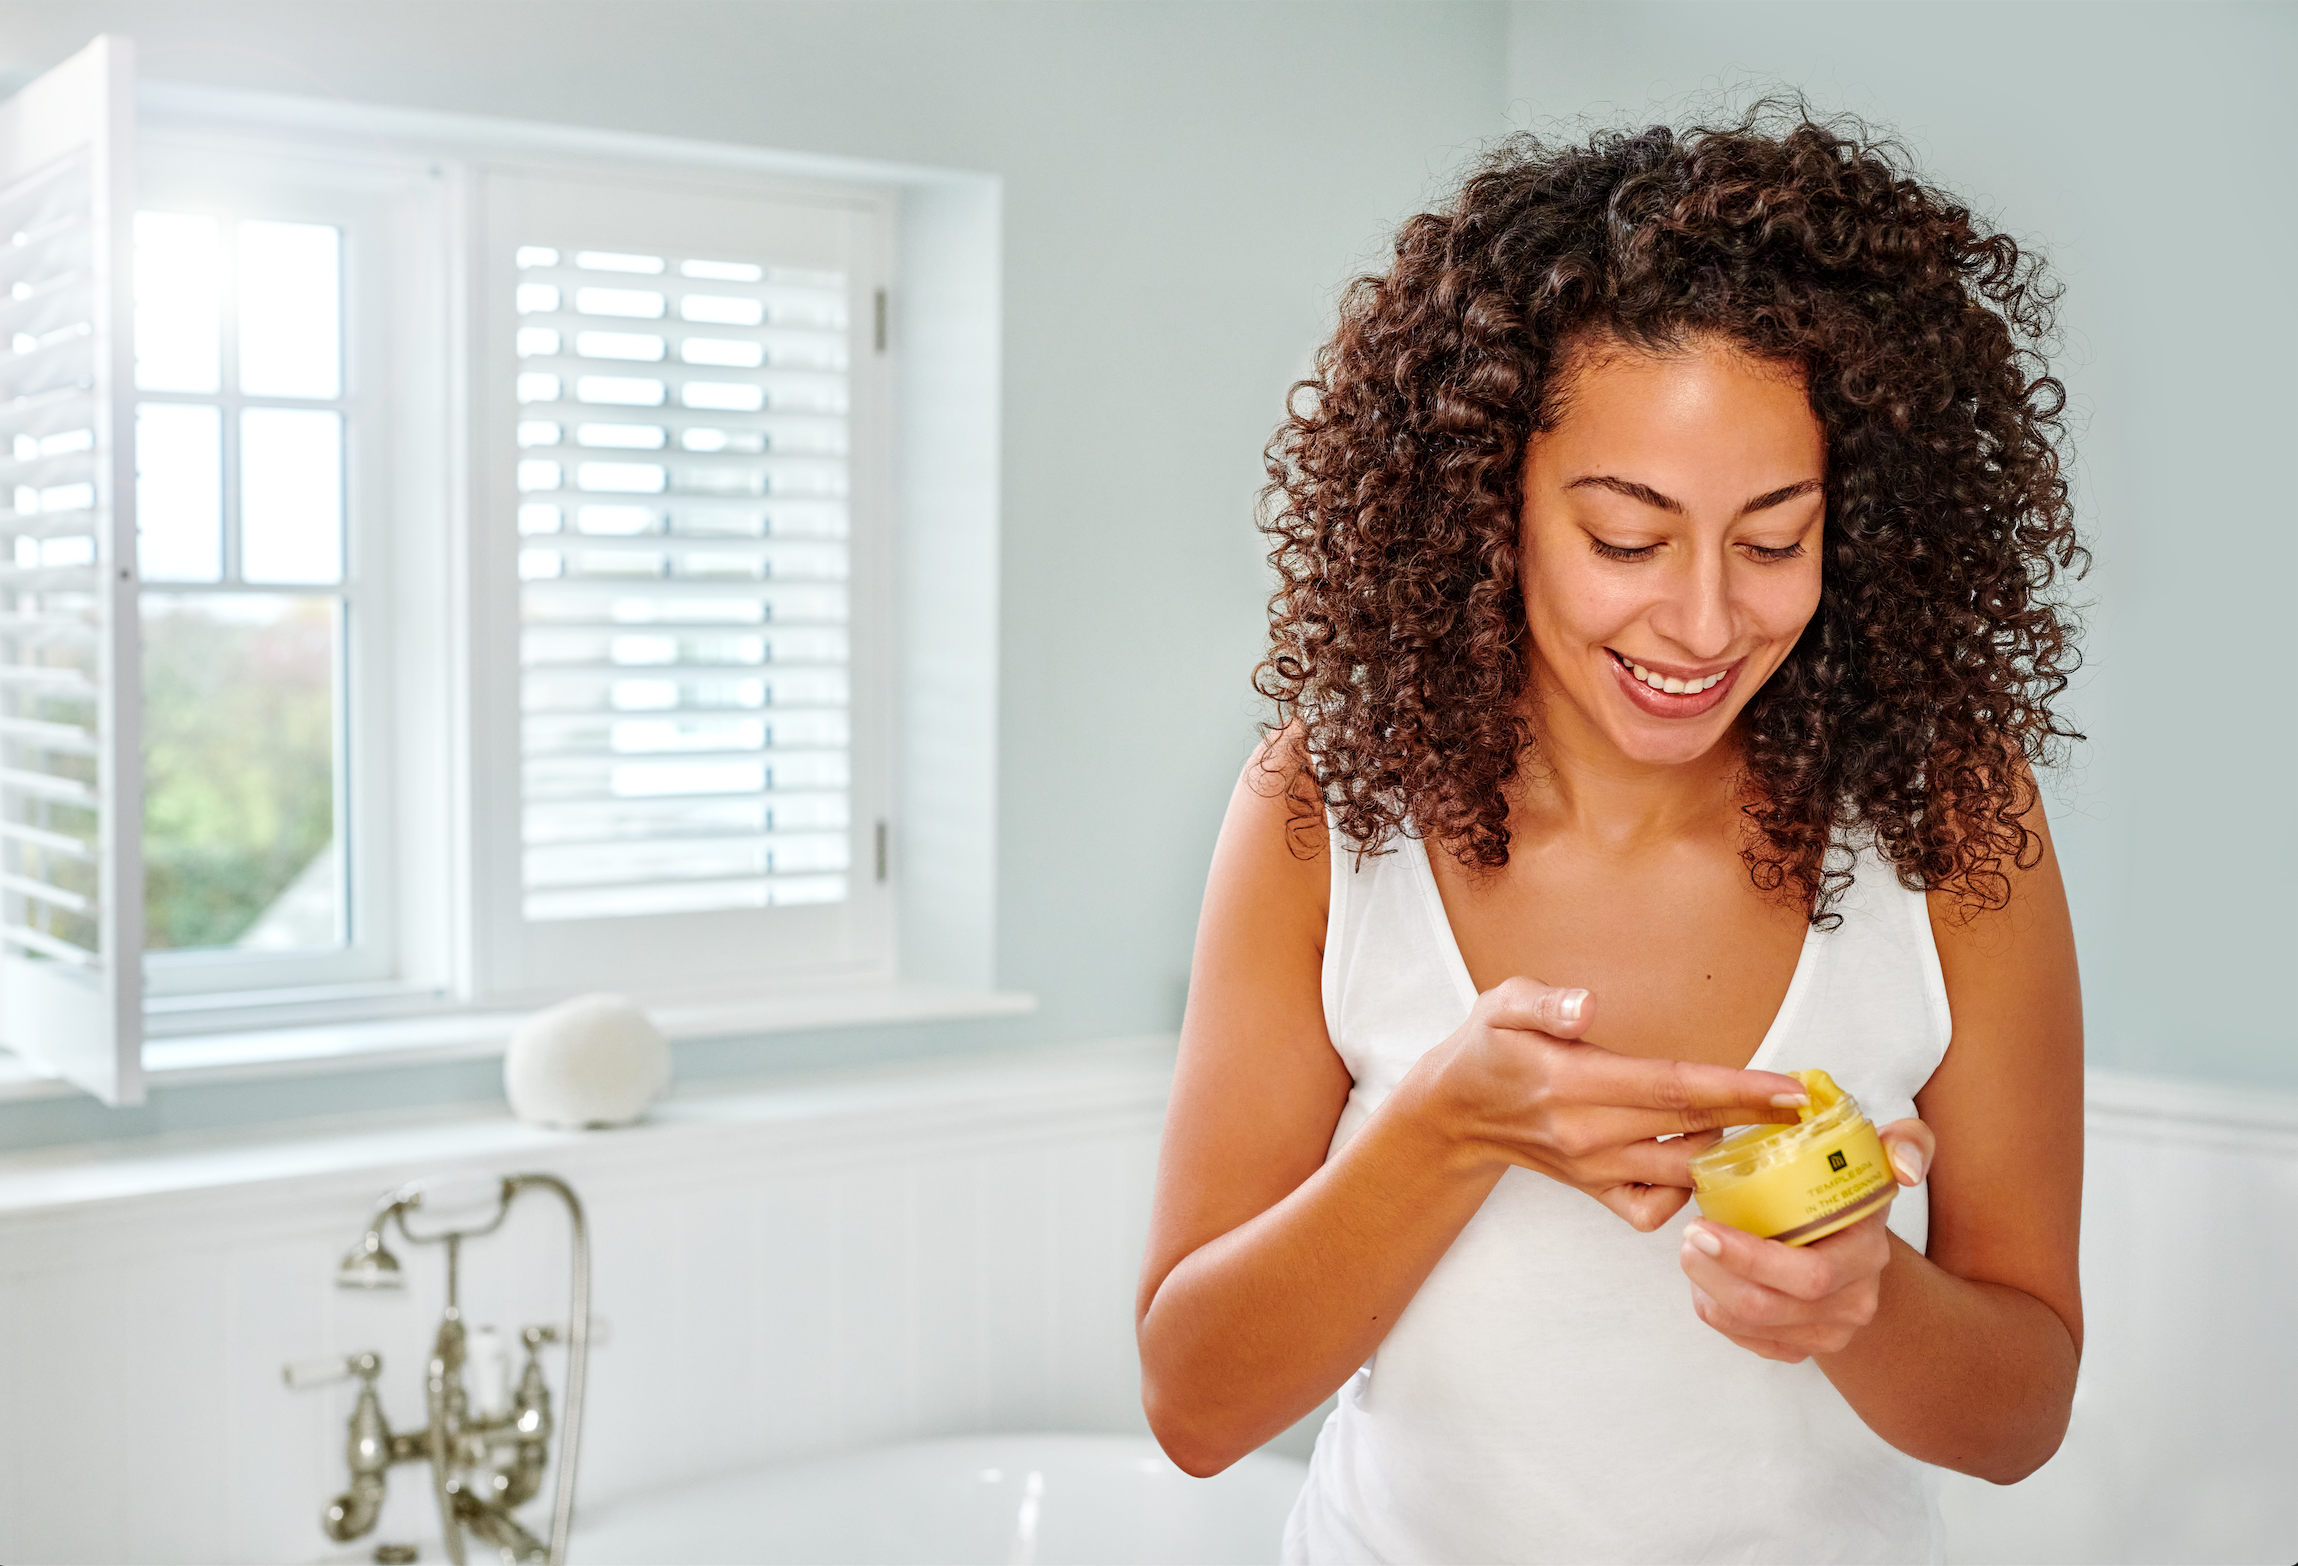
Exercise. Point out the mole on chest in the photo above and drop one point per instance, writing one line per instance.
(1690, 977)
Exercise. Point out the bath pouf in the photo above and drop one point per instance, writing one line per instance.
(592, 1061)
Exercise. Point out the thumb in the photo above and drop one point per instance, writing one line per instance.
(1554, 1009)
(1910, 1145)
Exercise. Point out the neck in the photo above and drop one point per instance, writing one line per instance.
(1580, 784)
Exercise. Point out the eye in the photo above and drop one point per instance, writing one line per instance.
(1620, 551)
(1792, 551)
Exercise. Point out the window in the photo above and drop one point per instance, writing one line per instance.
(683, 483)
(682, 400)
(257, 437)
(505, 530)
(240, 505)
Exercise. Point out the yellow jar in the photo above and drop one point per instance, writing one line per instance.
(1798, 1183)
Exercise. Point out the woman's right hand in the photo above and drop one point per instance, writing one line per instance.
(1515, 1084)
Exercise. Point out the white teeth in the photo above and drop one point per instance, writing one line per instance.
(1673, 686)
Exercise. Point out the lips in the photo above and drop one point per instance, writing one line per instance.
(1697, 693)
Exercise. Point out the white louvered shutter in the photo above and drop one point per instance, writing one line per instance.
(71, 904)
(683, 372)
(683, 566)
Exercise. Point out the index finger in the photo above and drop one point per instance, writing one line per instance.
(1700, 1095)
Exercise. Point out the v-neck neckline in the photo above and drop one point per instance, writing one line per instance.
(1798, 984)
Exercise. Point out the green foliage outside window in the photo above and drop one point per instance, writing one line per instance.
(239, 764)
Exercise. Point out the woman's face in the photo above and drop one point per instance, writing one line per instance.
(1671, 545)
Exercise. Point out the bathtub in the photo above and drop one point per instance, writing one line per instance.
(1029, 1500)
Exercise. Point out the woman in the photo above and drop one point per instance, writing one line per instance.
(1664, 642)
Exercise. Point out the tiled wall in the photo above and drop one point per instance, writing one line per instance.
(929, 1252)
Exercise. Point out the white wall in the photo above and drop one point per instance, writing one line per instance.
(2145, 149)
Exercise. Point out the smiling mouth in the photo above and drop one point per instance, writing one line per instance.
(1669, 684)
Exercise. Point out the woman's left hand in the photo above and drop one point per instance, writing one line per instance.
(1790, 1302)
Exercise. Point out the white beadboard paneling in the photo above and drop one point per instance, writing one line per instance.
(1098, 1226)
(876, 1280)
(2181, 1447)
(801, 1327)
(1013, 1295)
(826, 1263)
(80, 1349)
(928, 1251)
(264, 1430)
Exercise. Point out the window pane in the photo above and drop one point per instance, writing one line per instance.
(179, 492)
(290, 310)
(178, 292)
(290, 495)
(240, 771)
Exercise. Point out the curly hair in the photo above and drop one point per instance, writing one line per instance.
(1919, 696)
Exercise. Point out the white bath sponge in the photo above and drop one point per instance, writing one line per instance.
(592, 1061)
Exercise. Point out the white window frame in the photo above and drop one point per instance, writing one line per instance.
(225, 177)
(926, 568)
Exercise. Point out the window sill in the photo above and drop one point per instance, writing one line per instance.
(976, 1095)
(247, 1054)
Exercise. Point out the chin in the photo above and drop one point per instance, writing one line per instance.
(1673, 746)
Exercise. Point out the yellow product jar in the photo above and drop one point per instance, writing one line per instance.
(1798, 1183)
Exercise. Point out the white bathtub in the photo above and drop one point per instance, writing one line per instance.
(1029, 1500)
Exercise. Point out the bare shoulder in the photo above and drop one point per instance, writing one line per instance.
(1274, 843)
(1258, 1087)
(2013, 958)
(1255, 981)
(2006, 1102)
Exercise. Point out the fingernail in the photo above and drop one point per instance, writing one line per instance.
(1908, 1162)
(1789, 1100)
(1569, 1003)
(1705, 1238)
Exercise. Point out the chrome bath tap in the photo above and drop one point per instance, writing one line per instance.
(485, 1462)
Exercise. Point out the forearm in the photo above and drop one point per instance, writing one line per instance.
(1252, 1330)
(1977, 1377)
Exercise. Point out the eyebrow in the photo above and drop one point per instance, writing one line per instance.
(1644, 494)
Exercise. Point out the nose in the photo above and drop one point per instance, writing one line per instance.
(1697, 615)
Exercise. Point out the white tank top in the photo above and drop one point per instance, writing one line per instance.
(1548, 1395)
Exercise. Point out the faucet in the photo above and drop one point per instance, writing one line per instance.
(484, 1462)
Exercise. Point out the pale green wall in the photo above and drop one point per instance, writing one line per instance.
(2147, 149)
(1184, 186)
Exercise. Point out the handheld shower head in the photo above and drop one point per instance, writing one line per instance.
(370, 1265)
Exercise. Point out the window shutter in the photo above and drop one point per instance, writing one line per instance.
(71, 798)
(683, 477)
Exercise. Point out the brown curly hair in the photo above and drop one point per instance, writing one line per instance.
(1919, 695)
